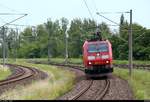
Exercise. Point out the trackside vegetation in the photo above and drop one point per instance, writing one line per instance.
(79, 61)
(4, 72)
(59, 82)
(48, 39)
(139, 82)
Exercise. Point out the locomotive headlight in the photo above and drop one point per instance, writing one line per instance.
(105, 56)
(90, 63)
(91, 57)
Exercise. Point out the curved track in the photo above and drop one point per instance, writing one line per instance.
(102, 94)
(98, 95)
(135, 66)
(111, 88)
(21, 75)
(83, 91)
(99, 91)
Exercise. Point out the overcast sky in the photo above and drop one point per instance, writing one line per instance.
(40, 10)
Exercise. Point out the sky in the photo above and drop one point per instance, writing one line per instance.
(40, 10)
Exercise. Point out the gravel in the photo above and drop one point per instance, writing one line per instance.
(119, 88)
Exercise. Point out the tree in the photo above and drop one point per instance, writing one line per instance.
(50, 27)
(53, 29)
(48, 39)
(75, 38)
(105, 30)
(64, 24)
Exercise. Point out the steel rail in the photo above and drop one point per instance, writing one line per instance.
(83, 91)
(24, 74)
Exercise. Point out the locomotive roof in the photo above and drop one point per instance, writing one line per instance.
(103, 41)
(96, 42)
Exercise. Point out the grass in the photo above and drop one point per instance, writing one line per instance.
(58, 60)
(4, 72)
(139, 82)
(79, 61)
(59, 82)
(134, 62)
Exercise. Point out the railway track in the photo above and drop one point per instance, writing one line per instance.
(135, 66)
(101, 95)
(98, 96)
(21, 76)
(102, 91)
(105, 90)
(83, 91)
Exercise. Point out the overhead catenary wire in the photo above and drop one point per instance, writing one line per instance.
(14, 20)
(116, 24)
(22, 25)
(12, 14)
(88, 9)
(114, 12)
(3, 29)
(134, 39)
(102, 15)
(107, 18)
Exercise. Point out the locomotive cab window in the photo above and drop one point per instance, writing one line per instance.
(102, 48)
(97, 48)
(92, 48)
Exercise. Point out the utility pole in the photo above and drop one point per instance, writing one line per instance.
(3, 34)
(16, 44)
(3, 31)
(66, 44)
(49, 47)
(129, 41)
(130, 45)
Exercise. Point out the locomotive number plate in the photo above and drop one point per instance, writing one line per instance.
(97, 62)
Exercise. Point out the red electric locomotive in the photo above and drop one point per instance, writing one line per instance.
(97, 57)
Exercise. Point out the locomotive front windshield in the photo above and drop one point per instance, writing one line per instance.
(97, 48)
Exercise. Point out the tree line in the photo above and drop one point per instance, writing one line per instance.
(48, 39)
